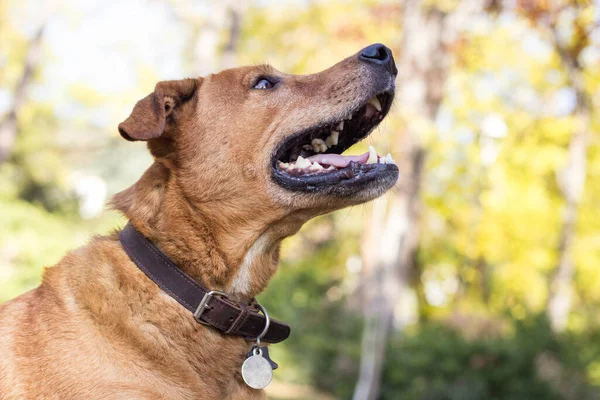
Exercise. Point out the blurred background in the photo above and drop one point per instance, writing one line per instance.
(476, 277)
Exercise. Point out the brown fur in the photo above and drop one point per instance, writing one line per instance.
(97, 327)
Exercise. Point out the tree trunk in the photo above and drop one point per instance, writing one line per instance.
(8, 126)
(571, 181)
(235, 13)
(391, 241)
(207, 57)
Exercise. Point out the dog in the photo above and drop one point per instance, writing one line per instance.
(242, 159)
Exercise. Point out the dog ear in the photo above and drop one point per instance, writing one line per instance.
(149, 116)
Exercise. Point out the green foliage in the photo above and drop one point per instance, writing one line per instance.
(26, 251)
(437, 362)
(428, 361)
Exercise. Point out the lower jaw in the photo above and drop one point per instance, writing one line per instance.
(346, 182)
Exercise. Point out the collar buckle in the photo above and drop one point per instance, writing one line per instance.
(204, 304)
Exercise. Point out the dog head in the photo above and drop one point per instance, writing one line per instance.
(256, 132)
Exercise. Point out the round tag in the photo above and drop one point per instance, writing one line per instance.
(257, 371)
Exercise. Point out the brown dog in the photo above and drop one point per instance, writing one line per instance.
(243, 158)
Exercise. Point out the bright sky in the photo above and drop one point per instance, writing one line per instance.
(104, 46)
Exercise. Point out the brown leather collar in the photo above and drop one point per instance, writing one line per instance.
(209, 307)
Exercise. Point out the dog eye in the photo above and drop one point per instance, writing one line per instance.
(263, 83)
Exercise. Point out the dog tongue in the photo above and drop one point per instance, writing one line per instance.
(338, 160)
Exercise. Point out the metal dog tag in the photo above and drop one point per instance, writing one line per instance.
(256, 370)
(265, 354)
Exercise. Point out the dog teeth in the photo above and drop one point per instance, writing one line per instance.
(340, 127)
(329, 142)
(335, 136)
(307, 147)
(332, 139)
(389, 159)
(382, 160)
(315, 167)
(372, 156)
(319, 145)
(302, 163)
(374, 101)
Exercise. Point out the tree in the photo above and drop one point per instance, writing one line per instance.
(569, 42)
(8, 126)
(429, 30)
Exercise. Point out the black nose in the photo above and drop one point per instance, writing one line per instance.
(380, 55)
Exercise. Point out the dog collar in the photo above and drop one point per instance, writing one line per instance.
(210, 307)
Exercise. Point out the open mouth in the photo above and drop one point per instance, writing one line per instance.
(313, 158)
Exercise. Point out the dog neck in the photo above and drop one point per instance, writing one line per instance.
(218, 245)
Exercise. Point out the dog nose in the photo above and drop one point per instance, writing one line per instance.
(380, 55)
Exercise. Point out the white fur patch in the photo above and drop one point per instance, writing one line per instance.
(241, 282)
